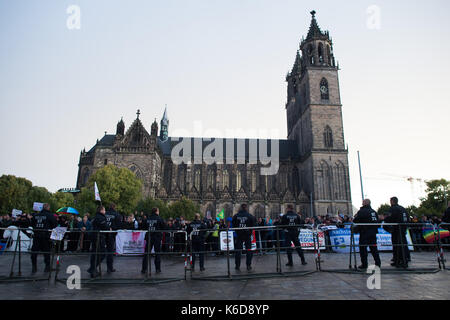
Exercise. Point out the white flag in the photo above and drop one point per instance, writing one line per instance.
(97, 194)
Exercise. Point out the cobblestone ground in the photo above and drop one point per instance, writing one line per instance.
(316, 285)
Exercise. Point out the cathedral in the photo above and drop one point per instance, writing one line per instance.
(313, 172)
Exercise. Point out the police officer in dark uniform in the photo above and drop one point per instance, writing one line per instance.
(100, 223)
(243, 219)
(113, 222)
(398, 214)
(291, 234)
(196, 230)
(41, 222)
(367, 234)
(153, 238)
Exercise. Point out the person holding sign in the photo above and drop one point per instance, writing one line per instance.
(292, 222)
(368, 234)
(243, 219)
(42, 222)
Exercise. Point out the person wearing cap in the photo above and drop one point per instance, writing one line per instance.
(291, 222)
(243, 219)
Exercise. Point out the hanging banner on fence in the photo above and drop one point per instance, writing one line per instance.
(224, 240)
(340, 240)
(15, 213)
(253, 242)
(307, 241)
(58, 233)
(38, 206)
(131, 243)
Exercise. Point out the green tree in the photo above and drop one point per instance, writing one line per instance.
(146, 206)
(117, 185)
(62, 199)
(184, 207)
(14, 193)
(383, 209)
(438, 191)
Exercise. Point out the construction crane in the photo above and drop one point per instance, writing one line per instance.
(410, 179)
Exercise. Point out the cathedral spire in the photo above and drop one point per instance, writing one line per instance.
(314, 29)
(164, 133)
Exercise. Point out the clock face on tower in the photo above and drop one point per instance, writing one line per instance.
(324, 89)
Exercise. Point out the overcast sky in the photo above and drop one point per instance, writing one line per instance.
(223, 63)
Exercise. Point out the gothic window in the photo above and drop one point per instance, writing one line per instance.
(321, 59)
(275, 211)
(238, 180)
(325, 181)
(328, 137)
(328, 55)
(225, 179)
(324, 95)
(167, 175)
(259, 212)
(197, 176)
(253, 181)
(106, 162)
(210, 179)
(311, 54)
(182, 177)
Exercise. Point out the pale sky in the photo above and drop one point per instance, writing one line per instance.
(222, 63)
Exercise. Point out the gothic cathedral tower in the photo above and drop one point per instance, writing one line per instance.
(314, 121)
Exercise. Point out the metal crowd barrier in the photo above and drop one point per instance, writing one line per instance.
(442, 246)
(244, 275)
(265, 248)
(353, 258)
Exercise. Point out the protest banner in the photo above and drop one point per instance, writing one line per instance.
(224, 240)
(15, 213)
(131, 243)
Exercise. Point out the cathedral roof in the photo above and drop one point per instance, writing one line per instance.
(314, 29)
(107, 140)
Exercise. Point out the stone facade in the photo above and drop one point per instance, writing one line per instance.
(313, 172)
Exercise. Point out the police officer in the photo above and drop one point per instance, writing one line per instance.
(113, 223)
(368, 234)
(398, 214)
(243, 219)
(41, 222)
(153, 238)
(196, 231)
(291, 234)
(100, 223)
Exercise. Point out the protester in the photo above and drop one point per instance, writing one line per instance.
(113, 223)
(85, 227)
(196, 232)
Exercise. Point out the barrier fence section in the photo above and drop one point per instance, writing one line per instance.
(229, 245)
(397, 246)
(266, 241)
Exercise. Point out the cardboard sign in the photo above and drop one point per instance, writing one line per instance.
(38, 206)
(58, 233)
(15, 213)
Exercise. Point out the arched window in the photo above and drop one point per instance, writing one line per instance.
(197, 175)
(225, 179)
(321, 59)
(238, 180)
(324, 95)
(85, 176)
(328, 137)
(210, 178)
(329, 55)
(253, 181)
(182, 177)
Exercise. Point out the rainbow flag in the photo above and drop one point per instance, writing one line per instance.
(428, 234)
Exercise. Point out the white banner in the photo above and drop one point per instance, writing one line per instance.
(224, 240)
(15, 213)
(58, 233)
(131, 243)
(340, 240)
(307, 241)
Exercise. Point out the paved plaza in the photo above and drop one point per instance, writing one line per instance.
(300, 286)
